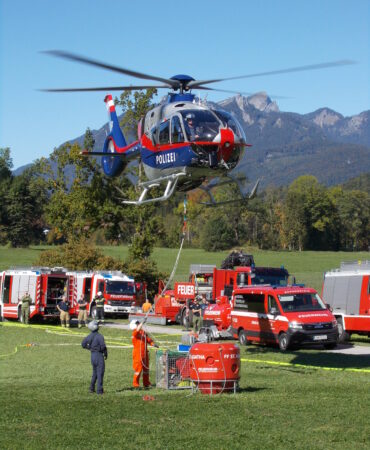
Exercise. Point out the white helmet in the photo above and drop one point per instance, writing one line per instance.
(133, 324)
(100, 293)
(93, 326)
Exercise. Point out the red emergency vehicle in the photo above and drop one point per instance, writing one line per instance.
(287, 316)
(169, 305)
(347, 291)
(45, 286)
(119, 291)
(217, 316)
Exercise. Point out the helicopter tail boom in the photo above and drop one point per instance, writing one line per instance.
(113, 142)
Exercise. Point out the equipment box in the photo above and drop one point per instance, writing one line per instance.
(172, 370)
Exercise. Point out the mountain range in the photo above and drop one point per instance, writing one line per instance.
(286, 145)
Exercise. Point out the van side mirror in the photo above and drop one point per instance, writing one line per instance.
(274, 311)
(328, 307)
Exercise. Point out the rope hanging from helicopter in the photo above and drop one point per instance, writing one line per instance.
(184, 229)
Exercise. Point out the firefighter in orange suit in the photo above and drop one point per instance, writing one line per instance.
(140, 354)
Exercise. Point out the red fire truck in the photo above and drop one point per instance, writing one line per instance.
(347, 291)
(288, 316)
(45, 286)
(169, 305)
(119, 291)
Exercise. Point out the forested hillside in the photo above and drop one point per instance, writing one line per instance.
(301, 205)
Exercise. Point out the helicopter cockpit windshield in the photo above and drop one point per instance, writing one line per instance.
(200, 125)
(231, 123)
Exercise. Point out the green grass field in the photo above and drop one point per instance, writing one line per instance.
(306, 399)
(307, 267)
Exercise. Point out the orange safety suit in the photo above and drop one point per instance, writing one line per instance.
(140, 357)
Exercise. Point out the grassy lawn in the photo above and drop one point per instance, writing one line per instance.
(45, 403)
(307, 267)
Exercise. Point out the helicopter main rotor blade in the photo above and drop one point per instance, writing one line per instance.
(108, 88)
(205, 88)
(93, 62)
(346, 62)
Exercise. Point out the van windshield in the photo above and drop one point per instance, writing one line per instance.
(274, 280)
(301, 302)
(120, 287)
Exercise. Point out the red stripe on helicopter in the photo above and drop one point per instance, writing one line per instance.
(122, 149)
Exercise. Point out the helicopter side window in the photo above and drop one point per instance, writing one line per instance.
(164, 132)
(176, 130)
(153, 133)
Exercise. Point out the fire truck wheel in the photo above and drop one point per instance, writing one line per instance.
(283, 342)
(343, 336)
(243, 338)
(93, 312)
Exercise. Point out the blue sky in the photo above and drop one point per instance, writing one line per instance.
(203, 38)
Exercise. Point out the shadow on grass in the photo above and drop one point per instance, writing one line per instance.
(251, 389)
(314, 357)
(332, 360)
(132, 389)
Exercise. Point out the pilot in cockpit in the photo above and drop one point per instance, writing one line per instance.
(190, 128)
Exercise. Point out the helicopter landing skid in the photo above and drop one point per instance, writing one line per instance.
(145, 187)
(237, 180)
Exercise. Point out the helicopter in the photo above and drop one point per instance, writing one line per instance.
(182, 143)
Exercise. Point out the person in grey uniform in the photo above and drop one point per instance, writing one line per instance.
(99, 353)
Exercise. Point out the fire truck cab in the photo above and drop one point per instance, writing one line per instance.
(45, 286)
(118, 289)
(287, 316)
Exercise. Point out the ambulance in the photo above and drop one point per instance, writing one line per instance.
(289, 316)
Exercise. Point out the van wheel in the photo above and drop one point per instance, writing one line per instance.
(343, 336)
(283, 342)
(243, 338)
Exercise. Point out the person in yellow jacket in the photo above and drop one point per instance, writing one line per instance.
(147, 306)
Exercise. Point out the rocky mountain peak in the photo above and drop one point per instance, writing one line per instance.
(325, 117)
(262, 102)
(246, 105)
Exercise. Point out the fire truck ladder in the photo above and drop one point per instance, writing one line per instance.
(72, 289)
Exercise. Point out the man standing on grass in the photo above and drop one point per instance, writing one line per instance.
(196, 309)
(99, 302)
(82, 313)
(140, 354)
(63, 308)
(99, 353)
(26, 301)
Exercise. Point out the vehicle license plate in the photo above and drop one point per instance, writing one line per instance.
(321, 337)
